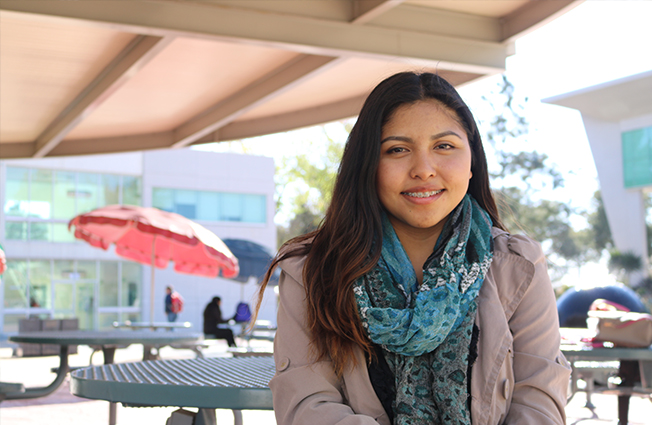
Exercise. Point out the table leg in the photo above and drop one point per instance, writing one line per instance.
(205, 417)
(623, 409)
(237, 417)
(109, 357)
(629, 374)
(109, 354)
(147, 353)
(43, 391)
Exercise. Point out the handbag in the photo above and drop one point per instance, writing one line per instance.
(621, 327)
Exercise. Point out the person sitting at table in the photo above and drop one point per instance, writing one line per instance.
(212, 320)
(411, 303)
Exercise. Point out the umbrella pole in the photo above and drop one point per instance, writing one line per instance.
(151, 283)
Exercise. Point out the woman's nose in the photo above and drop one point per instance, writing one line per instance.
(423, 166)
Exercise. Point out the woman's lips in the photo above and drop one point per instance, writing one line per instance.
(422, 197)
(423, 194)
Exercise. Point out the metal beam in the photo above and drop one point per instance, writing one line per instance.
(121, 69)
(113, 144)
(366, 10)
(9, 150)
(233, 131)
(533, 15)
(273, 84)
(313, 116)
(306, 35)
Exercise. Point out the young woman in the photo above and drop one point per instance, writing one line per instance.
(411, 304)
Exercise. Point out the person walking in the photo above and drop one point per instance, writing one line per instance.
(173, 304)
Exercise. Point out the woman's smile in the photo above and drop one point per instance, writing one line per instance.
(420, 196)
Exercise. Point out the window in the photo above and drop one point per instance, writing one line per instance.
(39, 203)
(15, 284)
(96, 292)
(212, 206)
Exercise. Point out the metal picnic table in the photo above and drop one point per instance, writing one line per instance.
(236, 383)
(635, 366)
(108, 341)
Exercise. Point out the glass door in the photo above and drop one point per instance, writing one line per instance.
(85, 305)
(64, 298)
(74, 298)
(75, 286)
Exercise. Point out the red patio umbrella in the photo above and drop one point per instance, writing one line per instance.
(3, 261)
(155, 237)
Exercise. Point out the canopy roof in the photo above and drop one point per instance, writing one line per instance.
(614, 101)
(86, 77)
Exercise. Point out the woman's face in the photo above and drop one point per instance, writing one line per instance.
(424, 168)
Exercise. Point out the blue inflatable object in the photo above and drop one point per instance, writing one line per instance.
(574, 304)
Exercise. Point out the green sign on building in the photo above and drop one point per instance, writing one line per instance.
(637, 157)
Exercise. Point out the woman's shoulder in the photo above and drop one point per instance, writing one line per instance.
(294, 259)
(507, 244)
(518, 263)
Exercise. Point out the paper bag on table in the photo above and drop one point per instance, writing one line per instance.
(623, 328)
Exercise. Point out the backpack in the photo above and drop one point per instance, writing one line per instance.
(242, 313)
(177, 303)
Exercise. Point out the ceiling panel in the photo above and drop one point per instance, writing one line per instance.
(347, 79)
(46, 63)
(94, 76)
(186, 78)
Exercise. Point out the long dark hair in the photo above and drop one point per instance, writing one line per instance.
(342, 249)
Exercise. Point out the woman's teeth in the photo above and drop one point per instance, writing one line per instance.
(423, 194)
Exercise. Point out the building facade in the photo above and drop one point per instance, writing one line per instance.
(617, 117)
(50, 274)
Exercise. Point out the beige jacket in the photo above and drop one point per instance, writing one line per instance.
(520, 376)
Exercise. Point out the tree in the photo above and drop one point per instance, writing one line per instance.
(599, 225)
(310, 180)
(303, 222)
(518, 175)
(623, 264)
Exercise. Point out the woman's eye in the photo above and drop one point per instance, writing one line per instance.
(444, 146)
(396, 149)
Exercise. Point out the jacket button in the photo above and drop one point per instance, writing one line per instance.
(283, 364)
(506, 389)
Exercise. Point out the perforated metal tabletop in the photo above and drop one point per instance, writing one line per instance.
(238, 383)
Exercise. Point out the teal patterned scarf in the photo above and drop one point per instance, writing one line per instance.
(425, 331)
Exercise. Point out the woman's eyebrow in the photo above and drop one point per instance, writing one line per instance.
(444, 134)
(399, 138)
(433, 137)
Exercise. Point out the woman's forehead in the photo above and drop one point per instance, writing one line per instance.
(440, 107)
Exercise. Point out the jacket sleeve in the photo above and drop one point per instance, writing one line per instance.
(304, 391)
(541, 372)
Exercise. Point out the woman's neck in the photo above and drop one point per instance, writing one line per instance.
(418, 245)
